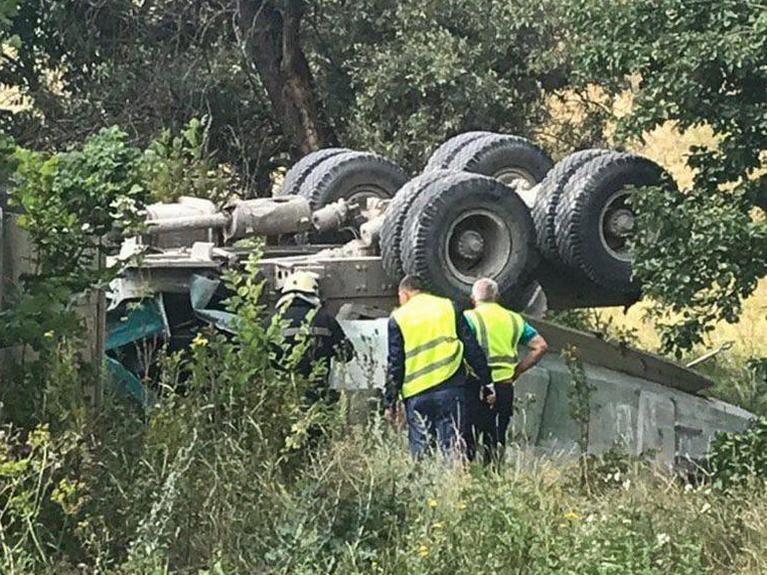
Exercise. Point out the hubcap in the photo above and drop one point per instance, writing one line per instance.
(616, 226)
(478, 244)
(471, 245)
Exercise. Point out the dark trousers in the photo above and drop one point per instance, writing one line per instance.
(436, 416)
(488, 426)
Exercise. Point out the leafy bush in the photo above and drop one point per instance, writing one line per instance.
(740, 459)
(174, 166)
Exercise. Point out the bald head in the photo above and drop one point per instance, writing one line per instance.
(484, 290)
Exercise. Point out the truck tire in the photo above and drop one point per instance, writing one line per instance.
(442, 156)
(594, 220)
(514, 161)
(546, 200)
(394, 221)
(465, 226)
(530, 300)
(352, 176)
(303, 167)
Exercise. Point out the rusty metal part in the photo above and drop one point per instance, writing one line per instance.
(269, 217)
(263, 216)
(185, 224)
(332, 217)
(181, 233)
(370, 231)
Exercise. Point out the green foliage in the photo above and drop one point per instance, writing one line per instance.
(147, 66)
(221, 476)
(393, 78)
(9, 9)
(703, 63)
(173, 166)
(702, 263)
(740, 459)
(740, 381)
(400, 78)
(8, 162)
(72, 199)
(75, 201)
(579, 403)
(36, 496)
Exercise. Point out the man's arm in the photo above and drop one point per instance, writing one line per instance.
(395, 366)
(472, 352)
(538, 346)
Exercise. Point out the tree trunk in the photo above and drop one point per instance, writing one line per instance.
(271, 34)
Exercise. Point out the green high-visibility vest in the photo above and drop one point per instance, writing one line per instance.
(498, 331)
(433, 351)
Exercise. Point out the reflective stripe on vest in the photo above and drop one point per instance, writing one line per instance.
(306, 330)
(433, 351)
(498, 331)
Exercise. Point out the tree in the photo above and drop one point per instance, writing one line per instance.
(272, 40)
(692, 63)
(402, 77)
(146, 66)
(278, 78)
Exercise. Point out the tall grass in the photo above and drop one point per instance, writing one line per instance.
(232, 472)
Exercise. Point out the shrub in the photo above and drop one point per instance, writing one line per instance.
(740, 459)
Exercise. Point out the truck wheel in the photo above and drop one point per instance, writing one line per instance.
(394, 221)
(594, 221)
(303, 167)
(514, 161)
(550, 190)
(465, 226)
(442, 156)
(530, 299)
(352, 176)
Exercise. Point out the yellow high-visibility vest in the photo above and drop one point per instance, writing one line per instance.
(433, 351)
(498, 331)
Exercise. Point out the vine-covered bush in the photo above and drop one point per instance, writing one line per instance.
(740, 459)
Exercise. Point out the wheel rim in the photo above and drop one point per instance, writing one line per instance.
(521, 181)
(478, 244)
(362, 192)
(616, 226)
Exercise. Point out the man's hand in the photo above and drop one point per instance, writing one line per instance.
(487, 394)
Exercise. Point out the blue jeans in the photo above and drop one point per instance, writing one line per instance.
(436, 416)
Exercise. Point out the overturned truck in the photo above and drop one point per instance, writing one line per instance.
(554, 237)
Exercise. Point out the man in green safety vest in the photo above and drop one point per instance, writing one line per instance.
(429, 339)
(499, 332)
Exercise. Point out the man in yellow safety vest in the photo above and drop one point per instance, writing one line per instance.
(499, 332)
(429, 339)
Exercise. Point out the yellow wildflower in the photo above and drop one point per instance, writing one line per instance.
(423, 551)
(40, 436)
(462, 506)
(432, 502)
(199, 341)
(438, 525)
(49, 334)
(572, 516)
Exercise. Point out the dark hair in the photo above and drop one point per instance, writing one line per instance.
(410, 283)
